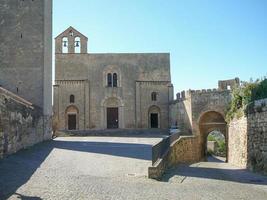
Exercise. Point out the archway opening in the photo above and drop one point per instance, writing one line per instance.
(216, 146)
(212, 126)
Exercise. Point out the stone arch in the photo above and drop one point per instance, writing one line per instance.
(77, 44)
(211, 121)
(154, 117)
(112, 102)
(71, 113)
(65, 44)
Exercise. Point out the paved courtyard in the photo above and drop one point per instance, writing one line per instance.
(116, 168)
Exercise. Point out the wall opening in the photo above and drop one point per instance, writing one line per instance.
(112, 118)
(72, 123)
(65, 45)
(72, 98)
(154, 96)
(211, 122)
(154, 120)
(154, 117)
(215, 146)
(77, 45)
(109, 80)
(115, 80)
(72, 118)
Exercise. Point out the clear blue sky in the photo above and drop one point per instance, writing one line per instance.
(208, 40)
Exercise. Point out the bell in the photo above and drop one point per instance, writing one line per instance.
(77, 44)
(65, 43)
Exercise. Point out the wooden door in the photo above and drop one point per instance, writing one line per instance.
(112, 118)
(154, 120)
(72, 122)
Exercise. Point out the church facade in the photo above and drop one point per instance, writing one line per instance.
(113, 90)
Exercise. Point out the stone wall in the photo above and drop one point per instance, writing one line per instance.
(237, 142)
(84, 75)
(248, 138)
(257, 137)
(26, 50)
(21, 124)
(184, 150)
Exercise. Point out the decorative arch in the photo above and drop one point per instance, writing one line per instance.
(72, 118)
(154, 117)
(211, 121)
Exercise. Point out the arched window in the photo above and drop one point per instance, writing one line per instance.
(65, 45)
(77, 45)
(109, 80)
(72, 98)
(154, 96)
(115, 80)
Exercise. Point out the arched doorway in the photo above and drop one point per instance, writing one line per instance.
(112, 113)
(72, 118)
(209, 122)
(154, 117)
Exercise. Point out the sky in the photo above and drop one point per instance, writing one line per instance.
(208, 40)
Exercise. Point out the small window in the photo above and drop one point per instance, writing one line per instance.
(109, 80)
(72, 99)
(115, 80)
(154, 96)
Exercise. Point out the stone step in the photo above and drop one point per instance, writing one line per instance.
(116, 132)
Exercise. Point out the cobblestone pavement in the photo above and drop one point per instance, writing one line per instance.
(116, 168)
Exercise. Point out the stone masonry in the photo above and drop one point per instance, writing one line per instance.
(248, 138)
(99, 82)
(21, 125)
(25, 73)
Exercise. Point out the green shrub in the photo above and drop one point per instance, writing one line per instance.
(243, 96)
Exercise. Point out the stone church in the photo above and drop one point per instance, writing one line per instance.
(110, 90)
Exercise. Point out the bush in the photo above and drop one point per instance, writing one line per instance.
(243, 96)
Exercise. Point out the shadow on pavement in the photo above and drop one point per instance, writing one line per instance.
(129, 150)
(216, 173)
(22, 197)
(17, 169)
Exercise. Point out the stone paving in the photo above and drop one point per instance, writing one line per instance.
(116, 168)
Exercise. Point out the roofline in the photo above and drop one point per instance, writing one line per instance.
(74, 30)
(16, 97)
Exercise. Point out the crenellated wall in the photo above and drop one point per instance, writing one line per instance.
(190, 105)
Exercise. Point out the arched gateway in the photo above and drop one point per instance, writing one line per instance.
(208, 122)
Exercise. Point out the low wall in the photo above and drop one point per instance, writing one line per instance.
(182, 150)
(21, 124)
(248, 139)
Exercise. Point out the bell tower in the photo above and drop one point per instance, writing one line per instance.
(71, 41)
